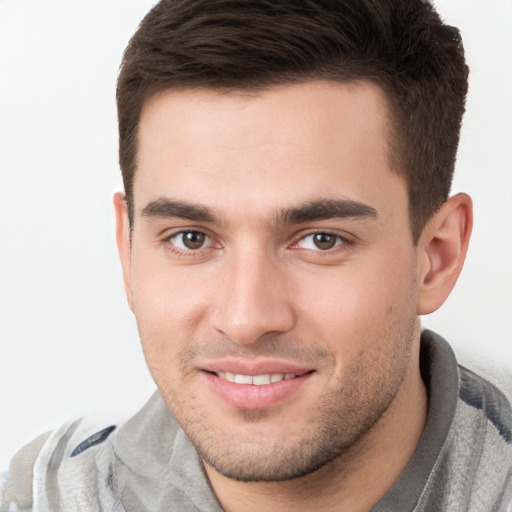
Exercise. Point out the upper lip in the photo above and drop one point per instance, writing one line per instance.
(254, 367)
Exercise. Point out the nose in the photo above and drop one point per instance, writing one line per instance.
(253, 299)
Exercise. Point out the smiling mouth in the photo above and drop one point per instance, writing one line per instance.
(256, 380)
(260, 391)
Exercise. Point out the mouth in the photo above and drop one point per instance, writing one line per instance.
(257, 391)
(256, 380)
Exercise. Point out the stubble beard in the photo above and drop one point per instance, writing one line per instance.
(338, 423)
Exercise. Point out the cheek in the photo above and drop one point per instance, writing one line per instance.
(353, 304)
(168, 306)
(167, 295)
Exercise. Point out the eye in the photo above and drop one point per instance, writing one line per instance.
(190, 240)
(320, 241)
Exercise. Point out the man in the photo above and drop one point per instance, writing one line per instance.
(285, 220)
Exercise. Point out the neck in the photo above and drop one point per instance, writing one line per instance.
(355, 481)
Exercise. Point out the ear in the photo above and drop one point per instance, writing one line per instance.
(124, 241)
(442, 250)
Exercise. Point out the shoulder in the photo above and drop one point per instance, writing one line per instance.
(86, 464)
(489, 402)
(479, 457)
(67, 469)
(467, 443)
(16, 485)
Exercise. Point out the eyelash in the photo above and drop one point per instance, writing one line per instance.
(341, 244)
(187, 252)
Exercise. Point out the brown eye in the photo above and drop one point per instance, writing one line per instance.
(324, 241)
(320, 241)
(190, 240)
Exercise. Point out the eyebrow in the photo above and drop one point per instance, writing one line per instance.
(163, 208)
(321, 209)
(325, 209)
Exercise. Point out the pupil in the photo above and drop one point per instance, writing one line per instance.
(324, 241)
(193, 239)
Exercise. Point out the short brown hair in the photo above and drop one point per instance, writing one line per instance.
(401, 45)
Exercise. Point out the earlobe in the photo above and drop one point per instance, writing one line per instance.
(123, 241)
(442, 251)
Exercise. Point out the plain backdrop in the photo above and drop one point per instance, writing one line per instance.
(68, 342)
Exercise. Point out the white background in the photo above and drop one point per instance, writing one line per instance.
(68, 342)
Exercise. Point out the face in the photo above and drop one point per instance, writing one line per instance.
(272, 272)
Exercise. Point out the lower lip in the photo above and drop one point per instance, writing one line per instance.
(250, 396)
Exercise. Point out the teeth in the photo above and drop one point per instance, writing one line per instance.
(243, 379)
(256, 380)
(259, 380)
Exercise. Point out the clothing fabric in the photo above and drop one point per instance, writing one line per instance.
(463, 462)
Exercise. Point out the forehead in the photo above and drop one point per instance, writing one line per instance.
(283, 145)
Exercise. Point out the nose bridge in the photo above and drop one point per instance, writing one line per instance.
(252, 301)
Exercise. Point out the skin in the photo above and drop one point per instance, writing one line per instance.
(259, 291)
